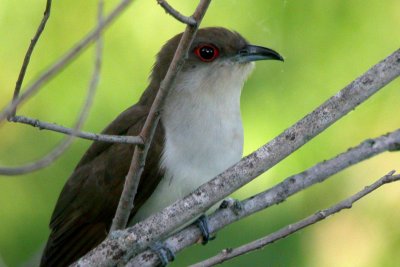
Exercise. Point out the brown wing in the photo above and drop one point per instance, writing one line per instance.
(87, 203)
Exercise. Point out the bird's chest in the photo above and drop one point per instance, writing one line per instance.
(200, 147)
(201, 141)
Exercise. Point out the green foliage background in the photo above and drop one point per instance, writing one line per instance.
(326, 45)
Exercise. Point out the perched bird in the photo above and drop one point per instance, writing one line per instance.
(200, 135)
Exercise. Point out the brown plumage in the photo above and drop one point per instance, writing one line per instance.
(87, 203)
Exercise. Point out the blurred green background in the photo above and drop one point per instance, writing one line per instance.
(326, 45)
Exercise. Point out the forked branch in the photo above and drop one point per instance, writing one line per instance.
(62, 147)
(176, 14)
(278, 193)
(67, 58)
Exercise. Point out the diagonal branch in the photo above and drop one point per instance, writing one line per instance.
(135, 239)
(176, 14)
(275, 195)
(132, 179)
(28, 54)
(60, 64)
(228, 254)
(60, 149)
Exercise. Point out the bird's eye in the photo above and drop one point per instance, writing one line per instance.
(206, 53)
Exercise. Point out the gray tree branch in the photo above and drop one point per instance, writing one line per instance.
(62, 147)
(28, 54)
(127, 244)
(277, 194)
(74, 132)
(228, 254)
(41, 125)
(132, 179)
(68, 57)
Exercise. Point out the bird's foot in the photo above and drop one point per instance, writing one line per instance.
(164, 253)
(202, 224)
(234, 204)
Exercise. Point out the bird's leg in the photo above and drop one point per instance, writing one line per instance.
(164, 253)
(234, 204)
(202, 224)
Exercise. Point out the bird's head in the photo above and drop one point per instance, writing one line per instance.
(217, 56)
(213, 48)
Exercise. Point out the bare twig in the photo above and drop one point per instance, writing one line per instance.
(41, 125)
(60, 149)
(132, 179)
(175, 13)
(51, 126)
(28, 54)
(135, 239)
(275, 195)
(228, 254)
(66, 59)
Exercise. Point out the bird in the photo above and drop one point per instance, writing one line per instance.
(199, 135)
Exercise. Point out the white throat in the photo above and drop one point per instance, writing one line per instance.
(203, 131)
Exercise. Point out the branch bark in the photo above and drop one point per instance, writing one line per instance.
(277, 194)
(228, 254)
(135, 239)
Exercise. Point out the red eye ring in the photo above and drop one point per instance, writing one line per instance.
(206, 52)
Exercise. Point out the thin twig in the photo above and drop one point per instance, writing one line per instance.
(176, 14)
(66, 59)
(275, 195)
(228, 254)
(132, 179)
(60, 149)
(28, 54)
(138, 237)
(41, 125)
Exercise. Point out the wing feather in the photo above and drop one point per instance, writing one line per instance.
(87, 203)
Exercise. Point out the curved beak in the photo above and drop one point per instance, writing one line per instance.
(254, 53)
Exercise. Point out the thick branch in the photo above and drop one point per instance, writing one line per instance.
(228, 254)
(62, 147)
(175, 13)
(132, 179)
(65, 60)
(135, 239)
(275, 195)
(28, 54)
(41, 125)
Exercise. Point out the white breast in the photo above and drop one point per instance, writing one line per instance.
(203, 131)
